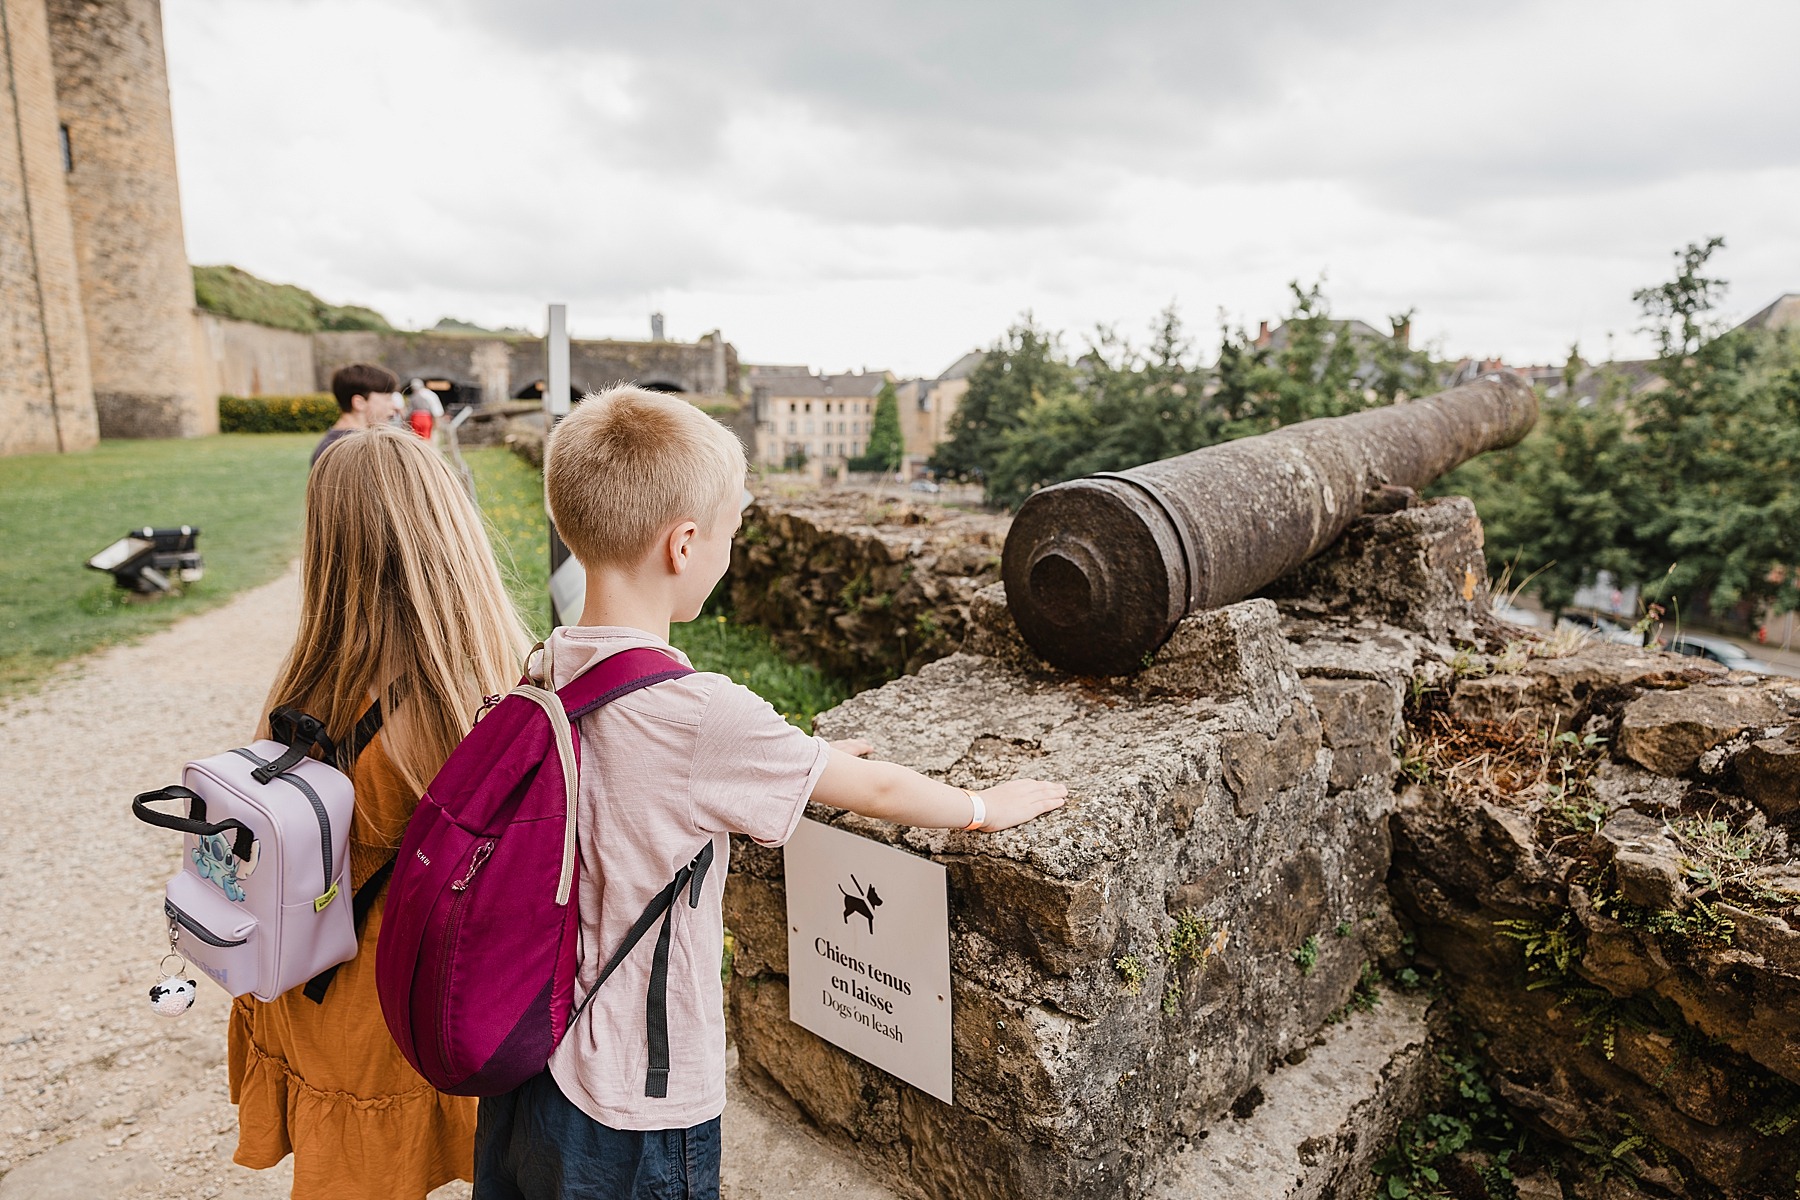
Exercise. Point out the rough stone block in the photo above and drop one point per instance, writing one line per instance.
(1360, 718)
(1667, 732)
(1646, 863)
(1770, 772)
(1558, 692)
(1201, 793)
(1232, 651)
(1421, 568)
(1322, 1121)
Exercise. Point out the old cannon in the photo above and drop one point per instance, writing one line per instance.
(1099, 570)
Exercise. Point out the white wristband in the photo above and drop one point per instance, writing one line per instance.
(980, 817)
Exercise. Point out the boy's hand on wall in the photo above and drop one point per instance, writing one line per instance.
(890, 792)
(1019, 800)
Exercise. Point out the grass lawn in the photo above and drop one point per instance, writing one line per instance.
(243, 491)
(245, 494)
(512, 500)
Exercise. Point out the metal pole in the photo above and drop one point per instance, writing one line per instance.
(567, 581)
(556, 366)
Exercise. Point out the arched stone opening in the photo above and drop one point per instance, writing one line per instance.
(535, 391)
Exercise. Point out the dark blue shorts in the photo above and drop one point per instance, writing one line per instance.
(532, 1144)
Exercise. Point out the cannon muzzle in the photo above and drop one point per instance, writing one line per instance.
(1099, 570)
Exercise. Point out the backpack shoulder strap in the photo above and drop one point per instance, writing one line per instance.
(348, 751)
(360, 904)
(367, 726)
(615, 676)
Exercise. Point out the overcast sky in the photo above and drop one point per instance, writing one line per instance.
(888, 185)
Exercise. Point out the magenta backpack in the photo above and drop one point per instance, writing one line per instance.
(476, 960)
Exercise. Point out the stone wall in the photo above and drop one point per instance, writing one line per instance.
(46, 390)
(1587, 845)
(136, 289)
(1596, 854)
(497, 368)
(864, 584)
(1128, 970)
(238, 358)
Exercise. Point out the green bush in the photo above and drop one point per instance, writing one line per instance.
(314, 413)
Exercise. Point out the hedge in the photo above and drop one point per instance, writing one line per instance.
(313, 413)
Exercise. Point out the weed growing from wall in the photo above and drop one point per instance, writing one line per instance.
(1306, 956)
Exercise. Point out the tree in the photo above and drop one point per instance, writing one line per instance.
(1400, 372)
(1127, 407)
(886, 447)
(1024, 368)
(1689, 488)
(1031, 420)
(1319, 369)
(1551, 507)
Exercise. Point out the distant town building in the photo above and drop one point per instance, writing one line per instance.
(926, 407)
(1784, 313)
(811, 421)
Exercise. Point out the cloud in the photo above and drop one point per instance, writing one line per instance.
(888, 183)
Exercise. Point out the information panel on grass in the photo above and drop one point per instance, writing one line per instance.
(869, 952)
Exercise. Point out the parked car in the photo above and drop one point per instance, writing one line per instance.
(1515, 615)
(1605, 629)
(925, 485)
(1719, 650)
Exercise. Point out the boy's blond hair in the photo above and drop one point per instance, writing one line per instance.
(627, 464)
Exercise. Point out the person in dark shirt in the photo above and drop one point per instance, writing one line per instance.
(367, 396)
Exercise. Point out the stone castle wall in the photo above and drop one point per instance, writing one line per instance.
(46, 392)
(499, 367)
(137, 291)
(1588, 847)
(238, 358)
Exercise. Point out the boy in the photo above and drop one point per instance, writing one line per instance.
(645, 489)
(367, 396)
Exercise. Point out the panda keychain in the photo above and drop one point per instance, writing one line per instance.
(175, 994)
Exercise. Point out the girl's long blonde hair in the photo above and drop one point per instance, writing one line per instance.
(400, 600)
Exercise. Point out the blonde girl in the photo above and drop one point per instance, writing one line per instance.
(401, 604)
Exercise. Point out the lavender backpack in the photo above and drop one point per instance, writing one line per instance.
(261, 902)
(478, 951)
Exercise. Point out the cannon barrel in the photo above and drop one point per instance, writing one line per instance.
(1099, 570)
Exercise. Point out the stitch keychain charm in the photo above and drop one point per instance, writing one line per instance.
(175, 994)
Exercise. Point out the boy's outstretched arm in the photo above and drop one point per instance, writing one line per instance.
(891, 792)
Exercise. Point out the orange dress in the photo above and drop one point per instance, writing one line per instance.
(325, 1082)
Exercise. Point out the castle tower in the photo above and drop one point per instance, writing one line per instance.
(46, 396)
(137, 292)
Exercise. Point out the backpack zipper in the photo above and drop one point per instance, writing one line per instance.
(324, 818)
(447, 948)
(481, 855)
(198, 930)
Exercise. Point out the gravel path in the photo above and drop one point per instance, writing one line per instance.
(99, 1097)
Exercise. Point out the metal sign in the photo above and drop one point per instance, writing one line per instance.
(869, 952)
(568, 584)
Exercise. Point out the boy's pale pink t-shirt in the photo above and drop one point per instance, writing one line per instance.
(663, 770)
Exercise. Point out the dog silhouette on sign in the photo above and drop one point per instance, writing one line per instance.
(862, 904)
